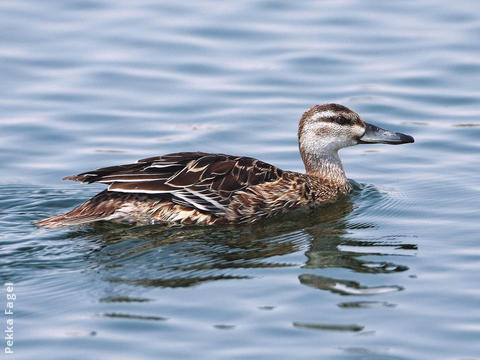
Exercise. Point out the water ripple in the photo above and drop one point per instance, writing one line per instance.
(88, 84)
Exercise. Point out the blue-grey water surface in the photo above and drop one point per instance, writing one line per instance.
(392, 272)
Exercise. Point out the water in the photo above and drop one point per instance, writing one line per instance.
(389, 273)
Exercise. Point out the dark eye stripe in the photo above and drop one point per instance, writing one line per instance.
(342, 120)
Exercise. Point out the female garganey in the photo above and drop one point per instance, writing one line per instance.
(201, 188)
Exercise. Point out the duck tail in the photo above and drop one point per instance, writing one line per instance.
(66, 220)
(95, 209)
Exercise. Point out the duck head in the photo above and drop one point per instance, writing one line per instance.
(325, 129)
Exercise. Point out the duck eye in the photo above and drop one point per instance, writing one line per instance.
(342, 120)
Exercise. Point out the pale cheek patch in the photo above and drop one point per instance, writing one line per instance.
(324, 128)
(319, 135)
(357, 131)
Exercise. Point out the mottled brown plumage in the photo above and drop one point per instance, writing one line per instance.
(202, 188)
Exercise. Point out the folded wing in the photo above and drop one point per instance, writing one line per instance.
(197, 180)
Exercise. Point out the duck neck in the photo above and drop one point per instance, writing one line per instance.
(326, 165)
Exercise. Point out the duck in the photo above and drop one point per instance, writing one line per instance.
(198, 188)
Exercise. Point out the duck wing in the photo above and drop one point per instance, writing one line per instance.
(192, 179)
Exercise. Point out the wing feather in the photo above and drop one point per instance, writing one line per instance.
(150, 187)
(192, 179)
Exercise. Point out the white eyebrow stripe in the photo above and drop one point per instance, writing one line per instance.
(323, 114)
(311, 127)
